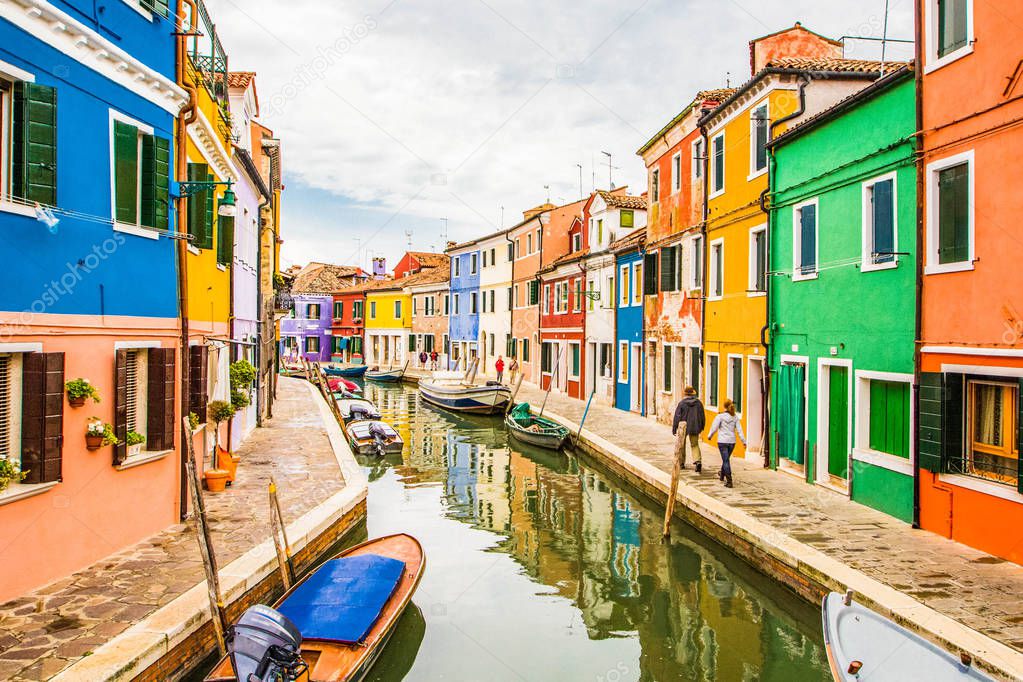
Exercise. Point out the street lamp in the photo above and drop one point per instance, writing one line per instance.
(227, 207)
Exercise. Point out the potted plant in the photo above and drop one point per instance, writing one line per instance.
(193, 421)
(78, 390)
(98, 434)
(9, 471)
(216, 480)
(134, 440)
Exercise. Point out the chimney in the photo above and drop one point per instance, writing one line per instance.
(791, 42)
(537, 210)
(379, 268)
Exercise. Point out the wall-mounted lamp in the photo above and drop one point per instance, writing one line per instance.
(226, 208)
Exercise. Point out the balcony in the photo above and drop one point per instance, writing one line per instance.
(283, 302)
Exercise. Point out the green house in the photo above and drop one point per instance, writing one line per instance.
(842, 296)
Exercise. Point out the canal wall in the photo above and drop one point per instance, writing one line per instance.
(176, 638)
(807, 571)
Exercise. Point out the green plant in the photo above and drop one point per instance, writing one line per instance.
(220, 410)
(97, 427)
(239, 399)
(81, 389)
(9, 471)
(278, 281)
(193, 421)
(135, 438)
(242, 374)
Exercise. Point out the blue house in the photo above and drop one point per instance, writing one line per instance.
(87, 120)
(464, 312)
(629, 356)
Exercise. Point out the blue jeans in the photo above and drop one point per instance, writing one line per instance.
(726, 458)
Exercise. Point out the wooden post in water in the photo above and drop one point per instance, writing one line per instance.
(582, 421)
(209, 559)
(550, 382)
(511, 403)
(284, 560)
(676, 472)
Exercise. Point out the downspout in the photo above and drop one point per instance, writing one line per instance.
(917, 370)
(705, 247)
(186, 117)
(511, 306)
(642, 336)
(261, 315)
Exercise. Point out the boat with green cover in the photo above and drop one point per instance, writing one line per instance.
(538, 431)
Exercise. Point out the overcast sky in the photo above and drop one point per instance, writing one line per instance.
(394, 114)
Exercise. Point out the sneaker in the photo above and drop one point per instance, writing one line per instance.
(721, 475)
(728, 482)
(699, 467)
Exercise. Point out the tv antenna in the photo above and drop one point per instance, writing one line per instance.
(408, 237)
(580, 167)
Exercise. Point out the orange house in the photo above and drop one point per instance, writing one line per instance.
(524, 245)
(971, 353)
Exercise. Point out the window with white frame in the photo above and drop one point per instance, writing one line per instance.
(563, 297)
(456, 265)
(880, 221)
(574, 360)
(884, 415)
(735, 381)
(136, 383)
(546, 299)
(447, 304)
(717, 269)
(713, 376)
(623, 362)
(600, 231)
(655, 185)
(577, 242)
(577, 296)
(623, 286)
(6, 132)
(590, 288)
(699, 154)
(607, 298)
(397, 310)
(473, 303)
(950, 24)
(529, 243)
(950, 215)
(804, 240)
(10, 407)
(758, 260)
(694, 367)
(141, 175)
(484, 263)
(637, 283)
(696, 262)
(458, 304)
(606, 360)
(492, 296)
(473, 263)
(28, 162)
(758, 129)
(676, 172)
(717, 166)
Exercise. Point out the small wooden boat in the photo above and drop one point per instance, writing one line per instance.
(538, 431)
(451, 391)
(347, 371)
(864, 645)
(385, 375)
(337, 619)
(336, 383)
(373, 437)
(356, 409)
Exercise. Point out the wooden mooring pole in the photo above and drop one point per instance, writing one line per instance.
(284, 560)
(518, 385)
(209, 558)
(676, 472)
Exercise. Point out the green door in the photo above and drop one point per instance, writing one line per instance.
(791, 413)
(838, 422)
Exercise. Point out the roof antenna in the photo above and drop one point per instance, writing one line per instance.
(548, 188)
(502, 217)
(728, 79)
(884, 37)
(408, 235)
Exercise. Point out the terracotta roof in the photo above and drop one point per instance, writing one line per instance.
(240, 79)
(797, 25)
(323, 278)
(633, 240)
(834, 65)
(712, 97)
(567, 258)
(427, 276)
(428, 259)
(621, 200)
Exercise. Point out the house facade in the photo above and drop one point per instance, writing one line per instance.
(675, 199)
(429, 319)
(306, 333)
(72, 305)
(496, 257)
(789, 85)
(971, 354)
(347, 325)
(388, 323)
(842, 402)
(525, 238)
(464, 319)
(629, 356)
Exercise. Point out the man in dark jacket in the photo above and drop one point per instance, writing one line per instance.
(690, 411)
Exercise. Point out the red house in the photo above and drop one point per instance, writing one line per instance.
(563, 310)
(347, 327)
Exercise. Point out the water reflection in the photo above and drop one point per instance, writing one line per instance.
(538, 568)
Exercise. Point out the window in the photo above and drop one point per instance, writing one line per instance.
(590, 288)
(447, 344)
(447, 304)
(492, 293)
(357, 309)
(879, 223)
(339, 310)
(623, 362)
(10, 407)
(511, 251)
(950, 216)
(511, 299)
(144, 398)
(694, 367)
(889, 417)
(473, 263)
(490, 345)
(577, 242)
(312, 311)
(200, 208)
(718, 165)
(717, 268)
(608, 297)
(992, 413)
(735, 381)
(515, 294)
(312, 344)
(473, 303)
(574, 360)
(561, 289)
(670, 268)
(141, 172)
(600, 231)
(655, 185)
(712, 380)
(456, 264)
(372, 310)
(397, 310)
(493, 256)
(458, 306)
(698, 160)
(335, 344)
(667, 369)
(676, 172)
(804, 241)
(627, 217)
(529, 243)
(28, 163)
(534, 292)
(623, 287)
(484, 264)
(161, 7)
(696, 259)
(606, 352)
(525, 350)
(577, 296)
(415, 306)
(429, 306)
(637, 277)
(546, 357)
(758, 127)
(650, 274)
(758, 260)
(953, 23)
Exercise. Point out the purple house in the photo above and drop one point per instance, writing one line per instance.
(306, 332)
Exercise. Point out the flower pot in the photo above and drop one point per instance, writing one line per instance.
(134, 449)
(93, 442)
(216, 480)
(76, 402)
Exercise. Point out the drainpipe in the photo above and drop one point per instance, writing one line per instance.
(705, 266)
(261, 314)
(642, 337)
(511, 307)
(186, 117)
(917, 371)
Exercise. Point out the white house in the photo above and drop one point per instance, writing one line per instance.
(496, 256)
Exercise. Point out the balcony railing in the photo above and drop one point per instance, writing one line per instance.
(207, 55)
(283, 301)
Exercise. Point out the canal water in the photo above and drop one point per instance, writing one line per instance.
(539, 567)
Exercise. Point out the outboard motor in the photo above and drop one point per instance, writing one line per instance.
(265, 647)
(363, 412)
(380, 437)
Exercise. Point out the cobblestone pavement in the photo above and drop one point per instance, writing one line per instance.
(46, 630)
(979, 590)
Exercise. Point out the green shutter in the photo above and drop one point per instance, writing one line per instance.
(889, 417)
(155, 181)
(210, 213)
(199, 223)
(161, 7)
(225, 240)
(126, 173)
(954, 214)
(35, 143)
(931, 418)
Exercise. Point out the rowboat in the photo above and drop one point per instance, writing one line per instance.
(385, 375)
(332, 625)
(336, 383)
(451, 391)
(373, 437)
(538, 431)
(349, 371)
(355, 409)
(864, 645)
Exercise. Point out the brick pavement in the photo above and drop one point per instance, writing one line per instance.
(48, 629)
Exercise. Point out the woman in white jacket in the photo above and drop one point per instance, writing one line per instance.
(726, 425)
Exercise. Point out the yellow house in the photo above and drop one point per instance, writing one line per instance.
(388, 322)
(797, 74)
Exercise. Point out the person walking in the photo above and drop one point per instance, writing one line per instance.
(727, 426)
(433, 360)
(690, 411)
(499, 366)
(513, 370)
(422, 359)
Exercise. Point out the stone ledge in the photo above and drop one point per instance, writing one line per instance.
(145, 643)
(824, 574)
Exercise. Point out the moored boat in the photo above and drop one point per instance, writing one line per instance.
(864, 645)
(373, 437)
(337, 384)
(385, 375)
(333, 624)
(451, 391)
(346, 371)
(357, 409)
(538, 431)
